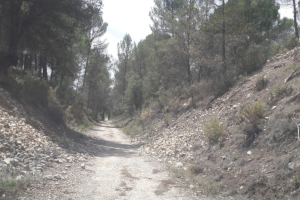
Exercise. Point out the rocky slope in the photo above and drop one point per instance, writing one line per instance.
(267, 168)
(30, 143)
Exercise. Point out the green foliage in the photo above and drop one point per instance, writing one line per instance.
(214, 131)
(234, 156)
(261, 83)
(35, 91)
(296, 182)
(210, 188)
(67, 142)
(254, 114)
(10, 186)
(279, 92)
(55, 109)
(166, 118)
(195, 169)
(132, 130)
(134, 95)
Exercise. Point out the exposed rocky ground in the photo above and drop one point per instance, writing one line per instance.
(30, 144)
(119, 171)
(266, 168)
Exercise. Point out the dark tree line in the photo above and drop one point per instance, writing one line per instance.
(58, 41)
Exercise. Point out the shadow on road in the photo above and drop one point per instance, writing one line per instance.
(102, 147)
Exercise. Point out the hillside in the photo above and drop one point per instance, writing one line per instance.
(33, 147)
(264, 164)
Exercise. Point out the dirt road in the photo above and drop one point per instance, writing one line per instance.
(120, 172)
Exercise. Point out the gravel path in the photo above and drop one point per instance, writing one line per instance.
(120, 172)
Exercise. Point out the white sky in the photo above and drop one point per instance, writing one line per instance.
(132, 17)
(126, 16)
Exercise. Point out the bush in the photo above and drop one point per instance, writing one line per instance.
(55, 109)
(279, 92)
(11, 183)
(254, 113)
(253, 116)
(35, 91)
(195, 169)
(261, 83)
(214, 131)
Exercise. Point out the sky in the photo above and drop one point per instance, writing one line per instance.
(132, 17)
(126, 16)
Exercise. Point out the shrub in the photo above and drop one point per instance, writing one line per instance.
(132, 130)
(279, 92)
(195, 169)
(55, 109)
(261, 83)
(253, 116)
(11, 185)
(35, 91)
(214, 131)
(254, 113)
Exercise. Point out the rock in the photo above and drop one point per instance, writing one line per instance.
(179, 165)
(293, 165)
(83, 166)
(147, 149)
(7, 161)
(57, 177)
(48, 177)
(192, 186)
(235, 106)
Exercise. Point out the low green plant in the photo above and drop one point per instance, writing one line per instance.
(35, 91)
(165, 118)
(196, 169)
(132, 130)
(55, 109)
(11, 186)
(234, 156)
(296, 182)
(210, 188)
(279, 92)
(214, 131)
(254, 114)
(261, 83)
(67, 142)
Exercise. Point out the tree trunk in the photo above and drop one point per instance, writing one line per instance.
(30, 62)
(223, 38)
(45, 73)
(26, 62)
(35, 62)
(21, 61)
(295, 19)
(11, 57)
(40, 64)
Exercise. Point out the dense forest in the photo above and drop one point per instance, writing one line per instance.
(196, 48)
(57, 54)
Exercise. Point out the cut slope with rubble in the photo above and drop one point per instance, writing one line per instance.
(31, 143)
(266, 167)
